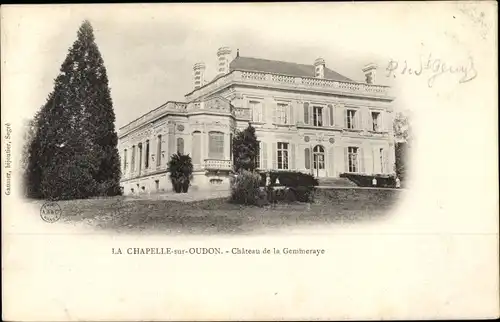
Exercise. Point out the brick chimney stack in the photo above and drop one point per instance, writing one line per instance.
(223, 60)
(199, 75)
(370, 71)
(319, 68)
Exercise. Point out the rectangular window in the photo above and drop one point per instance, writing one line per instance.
(351, 119)
(375, 121)
(146, 161)
(282, 113)
(140, 156)
(124, 160)
(215, 145)
(133, 158)
(353, 159)
(317, 116)
(256, 110)
(282, 155)
(158, 152)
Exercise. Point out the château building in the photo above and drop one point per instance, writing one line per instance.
(307, 118)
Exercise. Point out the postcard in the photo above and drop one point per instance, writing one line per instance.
(250, 161)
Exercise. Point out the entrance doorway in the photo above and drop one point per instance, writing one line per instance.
(319, 161)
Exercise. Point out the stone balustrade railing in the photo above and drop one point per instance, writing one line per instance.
(216, 164)
(293, 82)
(178, 107)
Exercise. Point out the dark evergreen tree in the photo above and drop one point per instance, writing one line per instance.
(245, 149)
(73, 153)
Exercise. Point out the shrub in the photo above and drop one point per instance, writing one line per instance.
(180, 167)
(364, 180)
(245, 188)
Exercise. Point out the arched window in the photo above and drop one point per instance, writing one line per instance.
(158, 151)
(196, 147)
(319, 157)
(215, 145)
(180, 145)
(318, 148)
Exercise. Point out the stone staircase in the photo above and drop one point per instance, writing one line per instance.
(336, 182)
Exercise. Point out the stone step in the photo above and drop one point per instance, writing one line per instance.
(336, 182)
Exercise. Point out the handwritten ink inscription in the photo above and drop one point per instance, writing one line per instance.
(433, 68)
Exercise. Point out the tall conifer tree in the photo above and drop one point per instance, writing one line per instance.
(74, 153)
(245, 149)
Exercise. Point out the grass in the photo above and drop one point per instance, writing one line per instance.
(219, 216)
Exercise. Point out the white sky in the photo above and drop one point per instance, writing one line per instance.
(149, 50)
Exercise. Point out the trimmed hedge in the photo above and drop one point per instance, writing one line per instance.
(298, 186)
(365, 180)
(289, 179)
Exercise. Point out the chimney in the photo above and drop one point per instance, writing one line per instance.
(319, 68)
(223, 60)
(199, 75)
(370, 71)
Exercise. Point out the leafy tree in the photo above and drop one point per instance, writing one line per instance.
(245, 149)
(74, 153)
(402, 127)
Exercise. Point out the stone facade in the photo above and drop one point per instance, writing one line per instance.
(307, 118)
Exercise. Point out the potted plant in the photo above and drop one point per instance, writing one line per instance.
(180, 167)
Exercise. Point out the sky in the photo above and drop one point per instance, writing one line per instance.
(149, 50)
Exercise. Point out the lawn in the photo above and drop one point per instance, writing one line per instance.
(219, 216)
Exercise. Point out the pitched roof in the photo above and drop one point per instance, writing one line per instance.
(281, 67)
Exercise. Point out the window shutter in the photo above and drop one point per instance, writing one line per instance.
(306, 113)
(346, 159)
(311, 116)
(275, 109)
(345, 118)
(307, 158)
(326, 116)
(292, 156)
(264, 155)
(386, 161)
(291, 112)
(361, 160)
(330, 112)
(275, 157)
(381, 121)
(359, 120)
